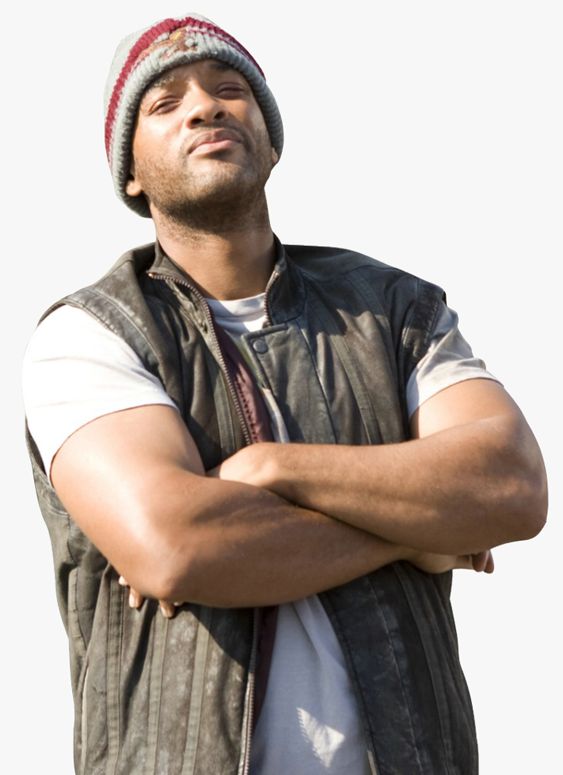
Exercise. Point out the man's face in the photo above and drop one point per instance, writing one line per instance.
(188, 104)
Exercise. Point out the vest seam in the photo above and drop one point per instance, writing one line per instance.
(370, 736)
(371, 264)
(443, 736)
(84, 724)
(113, 678)
(154, 716)
(399, 674)
(101, 295)
(355, 380)
(319, 381)
(197, 691)
(359, 288)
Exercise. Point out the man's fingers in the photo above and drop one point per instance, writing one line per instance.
(464, 561)
(490, 566)
(479, 561)
(135, 599)
(168, 609)
(483, 561)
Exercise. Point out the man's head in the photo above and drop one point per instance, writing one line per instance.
(170, 85)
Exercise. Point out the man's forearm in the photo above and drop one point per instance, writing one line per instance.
(458, 491)
(134, 483)
(250, 547)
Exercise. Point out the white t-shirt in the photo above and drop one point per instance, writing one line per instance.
(75, 370)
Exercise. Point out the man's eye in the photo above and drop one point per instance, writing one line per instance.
(233, 88)
(163, 106)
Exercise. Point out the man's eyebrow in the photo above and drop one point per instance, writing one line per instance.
(170, 75)
(216, 64)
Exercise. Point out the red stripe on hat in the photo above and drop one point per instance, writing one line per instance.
(167, 25)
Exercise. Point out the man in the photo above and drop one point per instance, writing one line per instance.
(304, 585)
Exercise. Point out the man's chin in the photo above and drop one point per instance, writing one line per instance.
(206, 204)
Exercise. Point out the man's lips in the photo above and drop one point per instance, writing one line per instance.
(219, 145)
(216, 140)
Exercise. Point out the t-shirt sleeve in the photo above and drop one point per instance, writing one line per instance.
(449, 359)
(76, 370)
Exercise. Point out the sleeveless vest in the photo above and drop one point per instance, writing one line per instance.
(176, 697)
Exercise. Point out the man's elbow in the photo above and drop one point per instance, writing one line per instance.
(170, 535)
(161, 572)
(155, 558)
(534, 502)
(175, 579)
(509, 498)
(528, 493)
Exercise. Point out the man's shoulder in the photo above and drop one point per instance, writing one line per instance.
(342, 260)
(116, 300)
(124, 272)
(329, 264)
(130, 265)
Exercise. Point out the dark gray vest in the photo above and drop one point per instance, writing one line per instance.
(174, 697)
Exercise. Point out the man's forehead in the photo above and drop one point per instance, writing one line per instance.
(181, 71)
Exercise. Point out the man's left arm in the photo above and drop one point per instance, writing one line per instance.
(472, 476)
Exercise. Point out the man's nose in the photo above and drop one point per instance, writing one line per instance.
(203, 107)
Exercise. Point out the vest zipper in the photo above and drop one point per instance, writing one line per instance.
(273, 277)
(232, 390)
(249, 699)
(249, 717)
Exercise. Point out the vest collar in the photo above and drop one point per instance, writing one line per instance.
(285, 292)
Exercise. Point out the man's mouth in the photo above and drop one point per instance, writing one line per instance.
(215, 140)
(217, 145)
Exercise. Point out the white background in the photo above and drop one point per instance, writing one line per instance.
(426, 134)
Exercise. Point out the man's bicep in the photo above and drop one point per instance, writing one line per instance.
(110, 473)
(464, 402)
(76, 370)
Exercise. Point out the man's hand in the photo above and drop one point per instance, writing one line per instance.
(167, 608)
(249, 465)
(426, 561)
(441, 563)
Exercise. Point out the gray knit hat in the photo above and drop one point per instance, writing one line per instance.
(143, 56)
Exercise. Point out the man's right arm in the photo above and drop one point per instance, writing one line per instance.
(134, 483)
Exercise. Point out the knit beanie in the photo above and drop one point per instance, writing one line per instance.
(143, 56)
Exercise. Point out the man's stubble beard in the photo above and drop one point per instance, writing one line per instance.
(221, 197)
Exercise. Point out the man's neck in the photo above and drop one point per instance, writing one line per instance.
(230, 265)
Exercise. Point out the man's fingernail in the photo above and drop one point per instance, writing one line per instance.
(132, 600)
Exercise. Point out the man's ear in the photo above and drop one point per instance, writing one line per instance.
(133, 187)
(275, 156)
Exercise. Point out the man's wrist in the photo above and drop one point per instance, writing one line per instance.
(276, 470)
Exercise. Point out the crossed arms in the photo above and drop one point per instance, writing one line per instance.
(278, 522)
